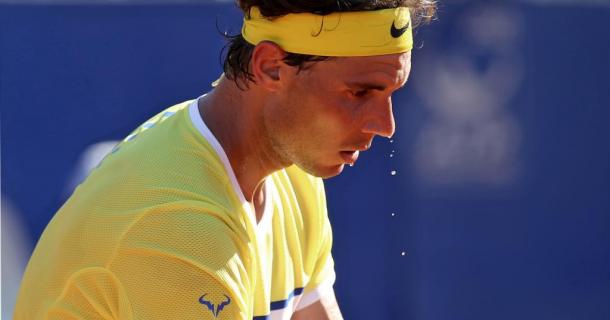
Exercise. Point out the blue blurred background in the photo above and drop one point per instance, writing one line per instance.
(492, 201)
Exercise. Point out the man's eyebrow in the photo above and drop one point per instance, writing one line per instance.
(366, 85)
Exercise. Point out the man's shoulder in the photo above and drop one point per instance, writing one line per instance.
(164, 156)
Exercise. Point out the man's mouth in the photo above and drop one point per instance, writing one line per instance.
(350, 157)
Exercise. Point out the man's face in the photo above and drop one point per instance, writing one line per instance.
(327, 113)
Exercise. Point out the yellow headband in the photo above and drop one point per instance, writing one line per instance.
(340, 34)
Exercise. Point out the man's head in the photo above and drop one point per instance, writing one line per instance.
(239, 51)
(320, 111)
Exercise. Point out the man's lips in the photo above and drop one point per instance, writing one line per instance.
(350, 157)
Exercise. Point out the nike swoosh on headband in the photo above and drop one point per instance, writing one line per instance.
(396, 33)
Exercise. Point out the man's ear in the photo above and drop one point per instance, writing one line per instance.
(265, 64)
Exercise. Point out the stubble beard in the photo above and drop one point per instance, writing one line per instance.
(290, 150)
(291, 147)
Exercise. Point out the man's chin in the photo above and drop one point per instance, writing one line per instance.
(324, 172)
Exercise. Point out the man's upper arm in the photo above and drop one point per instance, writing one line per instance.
(97, 293)
(168, 266)
(326, 308)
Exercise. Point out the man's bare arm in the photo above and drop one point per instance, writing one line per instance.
(324, 309)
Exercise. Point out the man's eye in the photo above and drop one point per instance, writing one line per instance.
(360, 93)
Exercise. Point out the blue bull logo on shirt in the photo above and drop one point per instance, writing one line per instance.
(210, 305)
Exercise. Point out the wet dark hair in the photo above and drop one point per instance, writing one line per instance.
(236, 65)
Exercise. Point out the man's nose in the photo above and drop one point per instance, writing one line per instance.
(379, 119)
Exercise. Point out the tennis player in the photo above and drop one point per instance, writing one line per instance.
(215, 208)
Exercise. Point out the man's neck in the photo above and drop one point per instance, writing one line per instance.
(235, 118)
